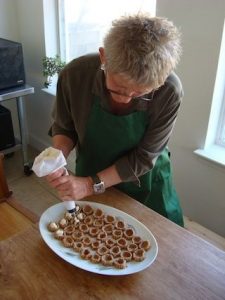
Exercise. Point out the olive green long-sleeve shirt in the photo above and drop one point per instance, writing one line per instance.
(81, 79)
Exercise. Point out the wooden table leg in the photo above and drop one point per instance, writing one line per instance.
(4, 189)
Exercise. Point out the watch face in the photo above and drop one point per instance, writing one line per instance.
(99, 187)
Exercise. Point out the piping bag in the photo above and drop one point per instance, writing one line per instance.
(49, 161)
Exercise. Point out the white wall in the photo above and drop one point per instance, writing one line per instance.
(200, 183)
(8, 20)
(39, 105)
(22, 21)
(9, 30)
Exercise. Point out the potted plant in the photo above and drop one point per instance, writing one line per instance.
(51, 67)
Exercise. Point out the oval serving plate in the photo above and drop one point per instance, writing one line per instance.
(55, 212)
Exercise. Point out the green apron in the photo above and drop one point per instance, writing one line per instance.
(107, 138)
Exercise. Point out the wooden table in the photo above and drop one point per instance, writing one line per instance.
(186, 267)
(11, 221)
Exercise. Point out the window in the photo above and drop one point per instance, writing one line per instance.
(74, 28)
(220, 137)
(83, 24)
(214, 148)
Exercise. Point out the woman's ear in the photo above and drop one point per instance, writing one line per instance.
(102, 55)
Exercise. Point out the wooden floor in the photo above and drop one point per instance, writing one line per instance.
(205, 233)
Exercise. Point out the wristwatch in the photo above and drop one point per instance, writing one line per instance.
(98, 186)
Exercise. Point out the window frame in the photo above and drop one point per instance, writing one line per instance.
(214, 147)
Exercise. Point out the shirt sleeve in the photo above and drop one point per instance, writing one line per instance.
(162, 117)
(61, 114)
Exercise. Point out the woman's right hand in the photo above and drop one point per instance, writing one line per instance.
(70, 186)
(55, 175)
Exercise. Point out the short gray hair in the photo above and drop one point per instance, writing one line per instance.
(144, 49)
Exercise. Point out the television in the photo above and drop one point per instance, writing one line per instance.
(12, 72)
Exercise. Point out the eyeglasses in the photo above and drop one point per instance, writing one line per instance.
(142, 97)
(147, 97)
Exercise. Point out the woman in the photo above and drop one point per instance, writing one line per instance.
(118, 108)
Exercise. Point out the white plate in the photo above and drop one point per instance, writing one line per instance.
(55, 212)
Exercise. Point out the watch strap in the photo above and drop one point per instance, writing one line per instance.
(95, 178)
(98, 184)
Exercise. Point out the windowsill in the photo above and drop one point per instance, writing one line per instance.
(50, 90)
(213, 153)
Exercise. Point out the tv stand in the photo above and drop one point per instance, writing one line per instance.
(19, 93)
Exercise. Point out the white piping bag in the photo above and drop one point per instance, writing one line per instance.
(49, 161)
